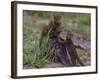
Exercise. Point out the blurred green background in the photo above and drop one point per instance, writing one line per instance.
(33, 23)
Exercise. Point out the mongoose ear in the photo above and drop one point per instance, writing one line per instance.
(57, 16)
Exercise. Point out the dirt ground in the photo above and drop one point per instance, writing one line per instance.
(52, 65)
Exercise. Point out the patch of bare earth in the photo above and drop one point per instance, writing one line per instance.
(52, 65)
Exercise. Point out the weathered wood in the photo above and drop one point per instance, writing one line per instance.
(78, 41)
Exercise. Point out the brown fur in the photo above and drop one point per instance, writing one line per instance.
(72, 51)
(54, 26)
